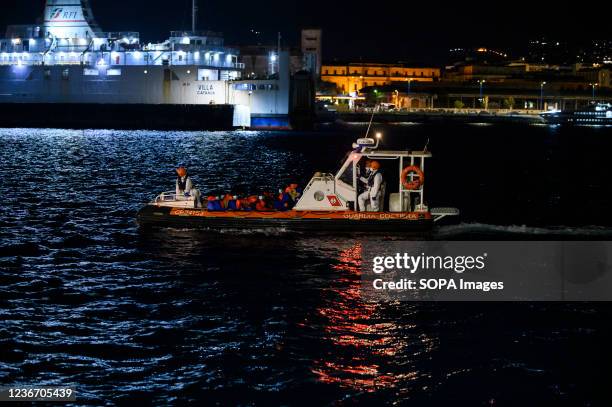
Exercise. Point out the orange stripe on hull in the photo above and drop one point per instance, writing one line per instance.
(331, 215)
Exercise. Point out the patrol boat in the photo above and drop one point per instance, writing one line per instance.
(327, 203)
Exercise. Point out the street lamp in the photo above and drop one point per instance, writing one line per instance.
(542, 95)
(593, 86)
(481, 83)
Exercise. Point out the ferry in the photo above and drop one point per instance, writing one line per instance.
(67, 64)
(327, 203)
(596, 114)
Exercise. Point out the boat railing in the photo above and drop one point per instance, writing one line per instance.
(171, 196)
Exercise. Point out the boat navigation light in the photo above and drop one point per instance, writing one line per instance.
(378, 138)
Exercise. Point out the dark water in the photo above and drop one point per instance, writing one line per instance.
(178, 316)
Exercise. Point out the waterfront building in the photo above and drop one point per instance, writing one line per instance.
(312, 50)
(350, 78)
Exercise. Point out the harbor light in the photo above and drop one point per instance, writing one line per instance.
(16, 41)
(379, 135)
(542, 95)
(101, 62)
(273, 57)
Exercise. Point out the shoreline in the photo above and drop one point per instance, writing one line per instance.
(440, 115)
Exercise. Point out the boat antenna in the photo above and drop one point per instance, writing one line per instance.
(426, 145)
(369, 124)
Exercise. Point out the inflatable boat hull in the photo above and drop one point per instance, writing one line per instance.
(340, 221)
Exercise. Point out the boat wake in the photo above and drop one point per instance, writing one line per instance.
(483, 229)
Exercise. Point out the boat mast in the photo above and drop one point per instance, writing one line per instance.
(194, 13)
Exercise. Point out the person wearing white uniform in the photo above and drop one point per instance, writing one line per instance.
(374, 189)
(184, 186)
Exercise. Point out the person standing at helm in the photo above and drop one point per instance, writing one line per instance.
(374, 189)
(184, 186)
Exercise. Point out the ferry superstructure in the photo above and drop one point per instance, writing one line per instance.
(596, 114)
(69, 59)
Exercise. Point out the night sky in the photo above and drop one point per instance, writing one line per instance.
(411, 31)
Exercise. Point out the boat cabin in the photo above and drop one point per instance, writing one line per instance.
(339, 192)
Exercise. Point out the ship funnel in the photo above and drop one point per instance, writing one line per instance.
(70, 19)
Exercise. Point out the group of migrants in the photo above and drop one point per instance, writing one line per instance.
(283, 201)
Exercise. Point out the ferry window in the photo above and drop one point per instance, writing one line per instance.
(47, 74)
(113, 72)
(208, 74)
(262, 87)
(91, 72)
(65, 74)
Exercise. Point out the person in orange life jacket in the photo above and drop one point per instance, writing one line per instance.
(374, 189)
(284, 202)
(261, 204)
(184, 186)
(294, 191)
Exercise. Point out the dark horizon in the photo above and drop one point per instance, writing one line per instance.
(418, 34)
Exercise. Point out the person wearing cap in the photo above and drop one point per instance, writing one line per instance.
(184, 186)
(374, 189)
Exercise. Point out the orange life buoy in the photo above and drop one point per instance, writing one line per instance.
(415, 183)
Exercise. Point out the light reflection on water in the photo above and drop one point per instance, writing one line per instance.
(180, 316)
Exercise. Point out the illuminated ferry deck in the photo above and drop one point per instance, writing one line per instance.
(201, 48)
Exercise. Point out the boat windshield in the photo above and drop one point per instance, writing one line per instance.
(347, 175)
